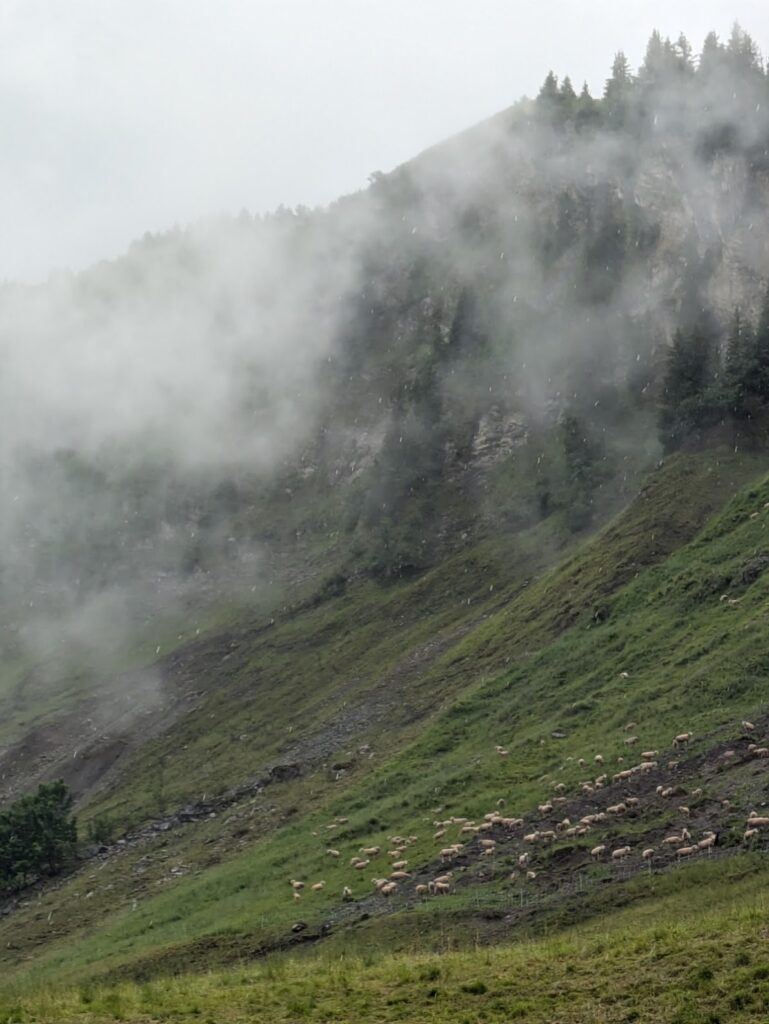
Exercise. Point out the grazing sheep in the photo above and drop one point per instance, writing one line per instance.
(398, 864)
(616, 809)
(532, 837)
(488, 844)
(684, 810)
(333, 853)
(421, 889)
(297, 885)
(501, 751)
(621, 853)
(750, 833)
(708, 842)
(563, 825)
(545, 808)
(598, 852)
(686, 851)
(448, 854)
(630, 741)
(648, 853)
(624, 675)
(378, 882)
(441, 888)
(761, 752)
(317, 886)
(598, 759)
(440, 833)
(748, 726)
(399, 875)
(297, 896)
(523, 860)
(649, 755)
(531, 875)
(630, 726)
(756, 821)
(370, 851)
(361, 864)
(388, 888)
(674, 840)
(682, 739)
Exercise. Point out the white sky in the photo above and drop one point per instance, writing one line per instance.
(122, 116)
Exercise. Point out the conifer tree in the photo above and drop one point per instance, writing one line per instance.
(617, 91)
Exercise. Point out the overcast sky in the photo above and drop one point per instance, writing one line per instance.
(122, 116)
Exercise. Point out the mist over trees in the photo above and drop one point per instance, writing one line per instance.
(509, 327)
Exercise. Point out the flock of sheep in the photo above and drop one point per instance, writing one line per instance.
(681, 841)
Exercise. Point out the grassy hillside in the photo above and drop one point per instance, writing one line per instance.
(437, 672)
(692, 952)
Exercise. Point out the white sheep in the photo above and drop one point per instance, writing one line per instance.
(649, 755)
(523, 860)
(748, 726)
(682, 739)
(333, 853)
(388, 888)
(598, 852)
(648, 853)
(370, 851)
(621, 853)
(317, 886)
(297, 885)
(598, 758)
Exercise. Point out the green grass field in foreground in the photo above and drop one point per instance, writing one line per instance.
(696, 951)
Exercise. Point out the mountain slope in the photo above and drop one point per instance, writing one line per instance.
(513, 675)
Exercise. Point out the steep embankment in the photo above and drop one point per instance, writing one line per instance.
(631, 626)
